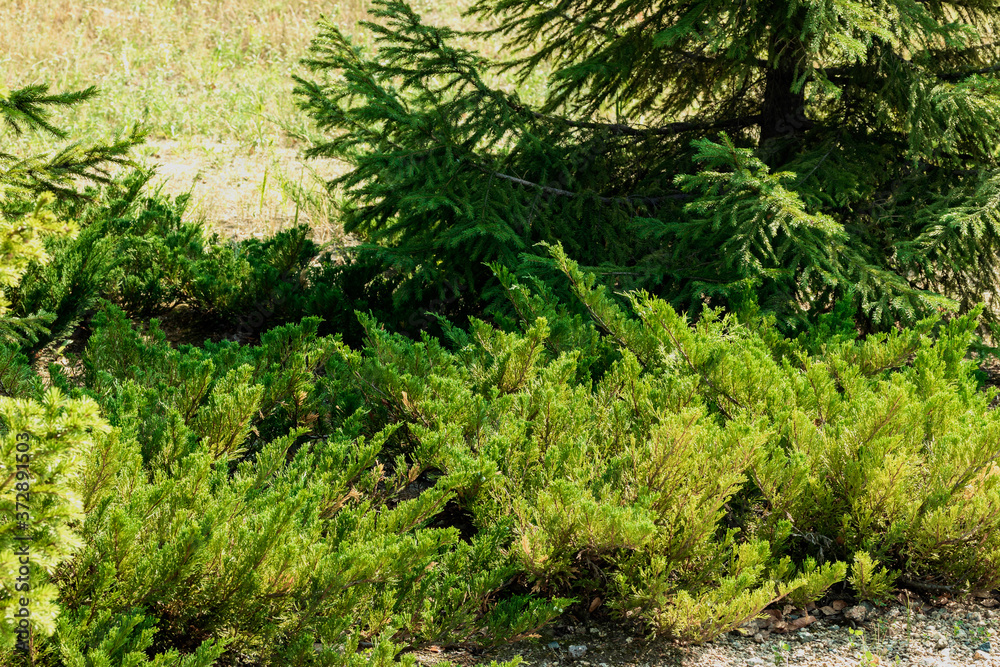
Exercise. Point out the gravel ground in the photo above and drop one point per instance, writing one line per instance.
(938, 633)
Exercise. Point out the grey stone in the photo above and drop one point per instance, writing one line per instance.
(857, 613)
(554, 646)
(984, 647)
(577, 650)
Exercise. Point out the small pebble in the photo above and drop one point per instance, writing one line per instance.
(898, 636)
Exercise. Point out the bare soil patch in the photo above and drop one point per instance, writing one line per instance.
(247, 193)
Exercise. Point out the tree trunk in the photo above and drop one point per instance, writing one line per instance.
(783, 113)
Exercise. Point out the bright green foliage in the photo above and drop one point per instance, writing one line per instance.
(819, 151)
(870, 581)
(106, 640)
(43, 449)
(625, 482)
(215, 519)
(818, 579)
(883, 445)
(78, 268)
(21, 242)
(706, 458)
(45, 440)
(29, 188)
(304, 502)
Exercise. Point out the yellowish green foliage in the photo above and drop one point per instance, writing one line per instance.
(21, 242)
(44, 450)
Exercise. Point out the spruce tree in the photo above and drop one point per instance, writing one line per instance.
(810, 150)
(31, 186)
(59, 172)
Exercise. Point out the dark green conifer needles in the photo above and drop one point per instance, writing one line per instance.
(810, 149)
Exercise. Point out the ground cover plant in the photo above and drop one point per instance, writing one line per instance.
(259, 451)
(283, 502)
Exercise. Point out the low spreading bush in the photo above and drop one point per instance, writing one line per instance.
(684, 479)
(141, 252)
(318, 499)
(226, 511)
(282, 503)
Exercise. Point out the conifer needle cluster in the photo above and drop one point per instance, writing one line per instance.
(815, 151)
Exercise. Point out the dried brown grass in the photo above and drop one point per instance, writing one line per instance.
(211, 80)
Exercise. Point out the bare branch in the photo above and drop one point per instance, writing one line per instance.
(642, 199)
(671, 128)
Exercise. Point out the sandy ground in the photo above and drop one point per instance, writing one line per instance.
(244, 193)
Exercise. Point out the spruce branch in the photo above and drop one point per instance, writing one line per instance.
(29, 108)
